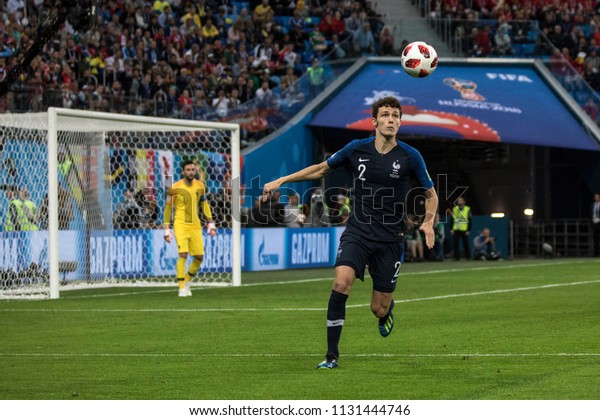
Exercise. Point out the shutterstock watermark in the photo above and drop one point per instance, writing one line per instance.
(316, 206)
(321, 207)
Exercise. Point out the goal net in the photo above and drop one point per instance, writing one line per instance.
(82, 196)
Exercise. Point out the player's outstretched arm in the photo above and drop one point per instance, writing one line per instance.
(309, 173)
(431, 205)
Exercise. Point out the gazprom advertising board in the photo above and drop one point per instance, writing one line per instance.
(144, 253)
(18, 250)
(282, 248)
(483, 102)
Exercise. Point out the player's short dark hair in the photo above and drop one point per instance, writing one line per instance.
(389, 101)
(187, 162)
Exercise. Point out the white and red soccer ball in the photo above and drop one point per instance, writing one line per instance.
(419, 59)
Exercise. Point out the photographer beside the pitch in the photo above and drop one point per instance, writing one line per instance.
(485, 246)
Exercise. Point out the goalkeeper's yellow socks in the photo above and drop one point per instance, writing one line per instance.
(181, 275)
(194, 267)
(181, 267)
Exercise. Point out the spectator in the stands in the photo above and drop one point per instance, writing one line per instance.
(126, 215)
(386, 41)
(301, 9)
(338, 25)
(326, 25)
(591, 108)
(352, 23)
(221, 103)
(263, 52)
(210, 33)
(140, 58)
(263, 12)
(201, 106)
(233, 33)
(287, 57)
(363, 40)
(317, 40)
(559, 39)
(502, 38)
(337, 49)
(264, 95)
(478, 44)
(296, 21)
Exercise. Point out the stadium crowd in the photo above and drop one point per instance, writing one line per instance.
(182, 58)
(203, 59)
(567, 32)
(199, 59)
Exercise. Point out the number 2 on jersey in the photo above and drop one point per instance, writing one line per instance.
(362, 168)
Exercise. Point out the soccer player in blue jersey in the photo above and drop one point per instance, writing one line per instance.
(384, 171)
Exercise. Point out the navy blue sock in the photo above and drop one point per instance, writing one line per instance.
(385, 318)
(336, 313)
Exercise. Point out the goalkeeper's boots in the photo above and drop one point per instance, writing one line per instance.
(188, 285)
(182, 293)
(386, 324)
(330, 362)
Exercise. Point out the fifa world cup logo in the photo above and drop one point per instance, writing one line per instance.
(465, 87)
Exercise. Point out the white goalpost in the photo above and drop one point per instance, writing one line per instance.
(82, 197)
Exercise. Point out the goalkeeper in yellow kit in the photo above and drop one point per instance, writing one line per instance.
(187, 196)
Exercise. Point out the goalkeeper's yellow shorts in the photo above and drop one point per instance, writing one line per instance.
(189, 240)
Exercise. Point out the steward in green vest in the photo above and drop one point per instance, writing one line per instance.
(339, 212)
(28, 212)
(461, 222)
(316, 79)
(14, 215)
(64, 165)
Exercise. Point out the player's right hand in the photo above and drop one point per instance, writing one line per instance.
(269, 188)
(168, 235)
(427, 229)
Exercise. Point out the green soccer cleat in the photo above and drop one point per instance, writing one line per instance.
(385, 328)
(330, 362)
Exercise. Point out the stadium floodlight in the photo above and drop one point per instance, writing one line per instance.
(498, 215)
(78, 167)
(528, 212)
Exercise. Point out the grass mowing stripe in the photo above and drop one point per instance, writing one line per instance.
(262, 355)
(491, 292)
(360, 305)
(531, 344)
(286, 282)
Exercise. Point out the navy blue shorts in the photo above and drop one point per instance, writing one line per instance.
(383, 258)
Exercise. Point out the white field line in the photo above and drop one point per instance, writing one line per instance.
(142, 310)
(491, 292)
(492, 266)
(291, 355)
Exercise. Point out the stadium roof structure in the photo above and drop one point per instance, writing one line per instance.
(515, 101)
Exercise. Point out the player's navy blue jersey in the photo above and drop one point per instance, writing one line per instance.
(381, 186)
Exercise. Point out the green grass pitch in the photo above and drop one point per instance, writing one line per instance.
(476, 330)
